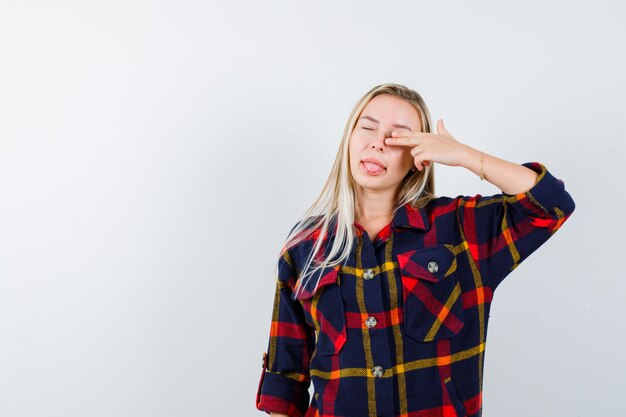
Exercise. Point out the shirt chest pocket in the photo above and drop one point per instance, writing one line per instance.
(431, 293)
(326, 309)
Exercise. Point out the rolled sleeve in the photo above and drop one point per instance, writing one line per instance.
(285, 378)
(502, 230)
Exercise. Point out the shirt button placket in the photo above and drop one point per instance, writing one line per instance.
(380, 348)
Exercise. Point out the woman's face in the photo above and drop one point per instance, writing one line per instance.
(382, 115)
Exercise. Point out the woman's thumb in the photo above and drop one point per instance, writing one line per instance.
(440, 127)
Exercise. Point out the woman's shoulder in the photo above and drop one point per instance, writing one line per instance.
(299, 238)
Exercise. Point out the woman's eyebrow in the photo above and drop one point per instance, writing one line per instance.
(376, 121)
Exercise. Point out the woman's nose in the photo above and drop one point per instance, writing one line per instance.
(385, 135)
(380, 139)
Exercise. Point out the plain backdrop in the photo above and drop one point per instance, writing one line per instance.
(154, 155)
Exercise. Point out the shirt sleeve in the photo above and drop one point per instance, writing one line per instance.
(285, 378)
(502, 230)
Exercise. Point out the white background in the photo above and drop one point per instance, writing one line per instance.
(154, 155)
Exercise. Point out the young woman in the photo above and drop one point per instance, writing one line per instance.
(383, 290)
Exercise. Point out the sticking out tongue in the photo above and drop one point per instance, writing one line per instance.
(373, 168)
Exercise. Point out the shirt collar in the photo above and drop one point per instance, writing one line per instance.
(405, 217)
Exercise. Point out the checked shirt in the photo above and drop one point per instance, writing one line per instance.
(400, 328)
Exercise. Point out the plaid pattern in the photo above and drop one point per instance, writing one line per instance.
(400, 328)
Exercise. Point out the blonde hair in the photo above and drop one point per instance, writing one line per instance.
(335, 206)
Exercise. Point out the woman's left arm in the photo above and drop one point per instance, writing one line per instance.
(501, 230)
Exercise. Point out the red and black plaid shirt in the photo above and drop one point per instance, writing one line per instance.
(400, 328)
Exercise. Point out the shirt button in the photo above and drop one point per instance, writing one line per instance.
(371, 322)
(377, 371)
(369, 274)
(433, 267)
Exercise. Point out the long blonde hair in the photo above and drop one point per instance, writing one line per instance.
(334, 208)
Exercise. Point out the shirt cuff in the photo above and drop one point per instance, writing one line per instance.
(547, 193)
(282, 394)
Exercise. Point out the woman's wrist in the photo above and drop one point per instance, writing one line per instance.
(510, 177)
(474, 160)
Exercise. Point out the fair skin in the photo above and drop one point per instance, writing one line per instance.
(389, 130)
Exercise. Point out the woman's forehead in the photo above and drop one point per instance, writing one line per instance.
(390, 110)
